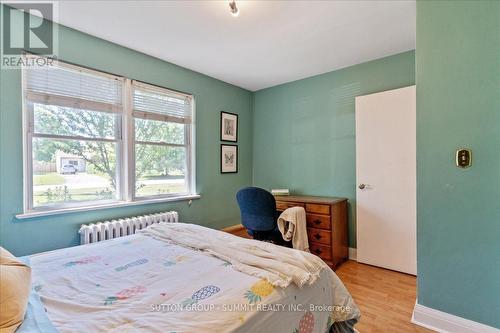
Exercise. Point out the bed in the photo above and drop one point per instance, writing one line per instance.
(177, 277)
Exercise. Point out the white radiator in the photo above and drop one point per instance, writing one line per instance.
(96, 232)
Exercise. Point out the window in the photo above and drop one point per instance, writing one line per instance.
(162, 125)
(72, 114)
(87, 145)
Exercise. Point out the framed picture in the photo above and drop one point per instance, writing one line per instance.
(228, 126)
(228, 158)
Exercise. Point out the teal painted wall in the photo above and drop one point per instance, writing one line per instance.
(304, 131)
(217, 206)
(458, 105)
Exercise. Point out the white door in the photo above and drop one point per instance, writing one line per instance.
(386, 179)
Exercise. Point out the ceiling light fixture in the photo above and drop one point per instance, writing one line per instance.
(234, 10)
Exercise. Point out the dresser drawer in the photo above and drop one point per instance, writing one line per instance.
(321, 250)
(318, 209)
(319, 221)
(282, 205)
(319, 236)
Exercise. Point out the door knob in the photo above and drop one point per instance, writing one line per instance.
(361, 186)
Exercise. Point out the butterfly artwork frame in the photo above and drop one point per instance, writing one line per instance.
(228, 158)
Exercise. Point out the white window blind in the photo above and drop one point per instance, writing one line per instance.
(76, 87)
(151, 102)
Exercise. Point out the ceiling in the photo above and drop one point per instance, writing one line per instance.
(269, 43)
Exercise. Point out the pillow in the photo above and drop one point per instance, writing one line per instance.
(15, 287)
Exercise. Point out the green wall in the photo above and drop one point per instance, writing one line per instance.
(458, 105)
(304, 131)
(217, 206)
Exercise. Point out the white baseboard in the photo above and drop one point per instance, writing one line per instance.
(447, 323)
(353, 254)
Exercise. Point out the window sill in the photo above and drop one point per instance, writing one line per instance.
(40, 213)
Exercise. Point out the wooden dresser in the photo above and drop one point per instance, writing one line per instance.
(326, 225)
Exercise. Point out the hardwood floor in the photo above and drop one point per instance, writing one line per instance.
(385, 298)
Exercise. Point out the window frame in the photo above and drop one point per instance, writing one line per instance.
(125, 154)
(188, 144)
(31, 135)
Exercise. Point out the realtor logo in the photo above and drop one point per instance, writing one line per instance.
(27, 28)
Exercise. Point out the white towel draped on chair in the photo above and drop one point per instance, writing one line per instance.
(292, 225)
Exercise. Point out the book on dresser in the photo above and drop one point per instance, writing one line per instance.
(326, 225)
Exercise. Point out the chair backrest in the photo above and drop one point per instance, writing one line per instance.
(258, 208)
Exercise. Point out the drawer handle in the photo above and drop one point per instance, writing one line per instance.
(317, 236)
(317, 222)
(318, 251)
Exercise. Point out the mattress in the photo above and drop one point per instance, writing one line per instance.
(141, 284)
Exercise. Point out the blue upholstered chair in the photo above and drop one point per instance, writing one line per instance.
(258, 214)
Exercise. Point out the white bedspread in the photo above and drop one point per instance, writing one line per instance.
(276, 264)
(145, 284)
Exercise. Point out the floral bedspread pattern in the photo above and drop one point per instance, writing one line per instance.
(137, 283)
